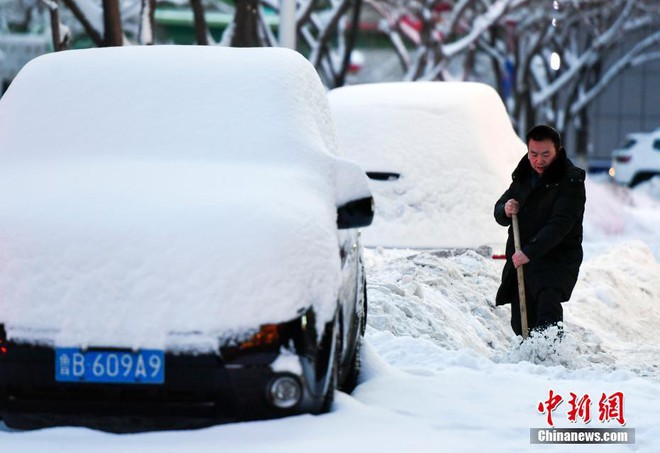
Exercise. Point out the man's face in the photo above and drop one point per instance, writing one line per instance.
(541, 154)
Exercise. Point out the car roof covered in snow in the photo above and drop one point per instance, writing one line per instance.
(158, 101)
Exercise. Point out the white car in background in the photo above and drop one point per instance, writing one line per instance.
(438, 154)
(638, 159)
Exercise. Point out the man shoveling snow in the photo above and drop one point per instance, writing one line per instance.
(547, 195)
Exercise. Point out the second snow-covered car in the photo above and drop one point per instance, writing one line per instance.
(438, 154)
(178, 240)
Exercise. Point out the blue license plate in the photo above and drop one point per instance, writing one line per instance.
(146, 366)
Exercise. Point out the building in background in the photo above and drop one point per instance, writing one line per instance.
(630, 104)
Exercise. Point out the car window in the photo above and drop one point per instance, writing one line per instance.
(656, 144)
(383, 175)
(629, 143)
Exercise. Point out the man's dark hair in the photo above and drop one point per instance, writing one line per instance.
(544, 132)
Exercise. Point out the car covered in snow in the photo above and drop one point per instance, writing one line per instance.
(179, 237)
(638, 159)
(438, 154)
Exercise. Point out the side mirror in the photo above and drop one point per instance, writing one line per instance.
(352, 195)
(356, 214)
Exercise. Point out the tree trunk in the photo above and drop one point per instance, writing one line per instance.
(201, 28)
(526, 117)
(582, 136)
(53, 9)
(246, 24)
(113, 34)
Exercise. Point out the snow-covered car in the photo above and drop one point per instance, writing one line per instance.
(179, 240)
(438, 154)
(638, 159)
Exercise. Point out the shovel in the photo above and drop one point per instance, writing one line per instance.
(521, 279)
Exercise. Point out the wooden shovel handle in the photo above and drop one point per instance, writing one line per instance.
(521, 279)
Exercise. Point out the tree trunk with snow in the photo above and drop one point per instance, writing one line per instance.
(147, 13)
(53, 9)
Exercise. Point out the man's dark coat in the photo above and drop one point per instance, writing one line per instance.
(550, 221)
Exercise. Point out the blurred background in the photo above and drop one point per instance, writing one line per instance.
(591, 68)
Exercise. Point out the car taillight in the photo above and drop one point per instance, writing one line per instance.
(266, 340)
(623, 159)
(267, 335)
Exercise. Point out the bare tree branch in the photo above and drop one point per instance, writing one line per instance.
(633, 58)
(91, 31)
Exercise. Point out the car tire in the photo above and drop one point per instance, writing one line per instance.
(365, 305)
(353, 370)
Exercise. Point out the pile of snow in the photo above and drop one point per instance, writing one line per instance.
(616, 303)
(447, 300)
(454, 147)
(611, 323)
(616, 211)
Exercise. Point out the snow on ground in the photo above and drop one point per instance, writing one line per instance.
(442, 370)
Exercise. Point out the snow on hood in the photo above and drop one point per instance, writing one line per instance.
(151, 192)
(123, 254)
(452, 143)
